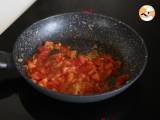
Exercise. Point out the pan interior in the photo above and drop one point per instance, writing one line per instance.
(81, 31)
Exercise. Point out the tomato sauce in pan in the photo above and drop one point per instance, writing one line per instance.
(58, 68)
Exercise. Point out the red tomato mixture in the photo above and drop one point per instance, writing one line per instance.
(58, 68)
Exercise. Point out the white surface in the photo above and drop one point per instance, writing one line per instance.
(10, 10)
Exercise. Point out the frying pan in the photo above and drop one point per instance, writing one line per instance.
(81, 31)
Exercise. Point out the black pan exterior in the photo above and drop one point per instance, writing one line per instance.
(81, 31)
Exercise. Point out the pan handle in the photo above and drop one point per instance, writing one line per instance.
(6, 61)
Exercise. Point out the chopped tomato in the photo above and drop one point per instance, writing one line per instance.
(58, 68)
(121, 80)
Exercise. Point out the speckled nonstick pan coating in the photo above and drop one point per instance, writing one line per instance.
(81, 31)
